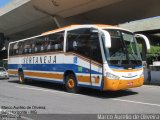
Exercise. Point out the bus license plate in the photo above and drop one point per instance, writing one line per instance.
(130, 83)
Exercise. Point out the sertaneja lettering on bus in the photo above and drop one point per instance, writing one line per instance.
(39, 60)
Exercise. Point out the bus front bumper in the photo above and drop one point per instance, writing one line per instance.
(114, 85)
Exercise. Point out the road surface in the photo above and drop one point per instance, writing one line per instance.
(49, 98)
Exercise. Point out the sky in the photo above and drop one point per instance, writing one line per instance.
(4, 2)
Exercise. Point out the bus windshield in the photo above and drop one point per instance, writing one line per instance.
(123, 52)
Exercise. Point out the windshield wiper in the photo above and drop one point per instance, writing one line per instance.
(120, 54)
(134, 58)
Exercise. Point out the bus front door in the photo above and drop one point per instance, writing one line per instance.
(96, 64)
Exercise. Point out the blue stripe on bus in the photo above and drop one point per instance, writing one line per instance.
(138, 67)
(52, 68)
(122, 68)
(90, 86)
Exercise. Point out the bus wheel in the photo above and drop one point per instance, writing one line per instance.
(71, 84)
(21, 78)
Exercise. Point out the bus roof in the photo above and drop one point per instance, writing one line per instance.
(102, 26)
(59, 29)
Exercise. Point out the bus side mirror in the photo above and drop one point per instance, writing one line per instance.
(145, 39)
(107, 38)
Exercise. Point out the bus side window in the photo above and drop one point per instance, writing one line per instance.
(24, 49)
(42, 47)
(49, 46)
(27, 47)
(15, 49)
(33, 47)
(84, 42)
(11, 49)
(46, 43)
(56, 41)
(78, 41)
(20, 47)
(38, 45)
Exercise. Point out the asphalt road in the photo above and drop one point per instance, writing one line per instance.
(49, 98)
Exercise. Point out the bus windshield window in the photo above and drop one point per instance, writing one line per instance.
(124, 51)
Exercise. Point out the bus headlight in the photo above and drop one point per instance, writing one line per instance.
(142, 74)
(111, 76)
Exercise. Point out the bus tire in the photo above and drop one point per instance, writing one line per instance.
(71, 84)
(21, 78)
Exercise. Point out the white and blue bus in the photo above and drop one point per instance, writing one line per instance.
(96, 56)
